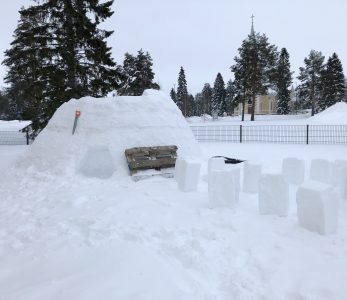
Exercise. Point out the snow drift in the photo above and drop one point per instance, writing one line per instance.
(112, 124)
(335, 114)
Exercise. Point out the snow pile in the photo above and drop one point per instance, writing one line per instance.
(113, 125)
(336, 114)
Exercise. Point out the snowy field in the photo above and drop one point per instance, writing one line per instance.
(66, 235)
(13, 125)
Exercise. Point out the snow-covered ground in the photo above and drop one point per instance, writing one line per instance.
(13, 125)
(67, 236)
(336, 114)
(80, 238)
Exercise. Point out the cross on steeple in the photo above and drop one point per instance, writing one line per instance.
(252, 29)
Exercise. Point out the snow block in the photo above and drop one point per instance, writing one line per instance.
(216, 164)
(178, 168)
(321, 170)
(223, 188)
(97, 162)
(339, 174)
(273, 195)
(317, 206)
(251, 176)
(293, 170)
(188, 174)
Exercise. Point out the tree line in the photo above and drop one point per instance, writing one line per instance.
(59, 52)
(259, 68)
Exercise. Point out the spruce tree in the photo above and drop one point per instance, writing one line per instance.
(173, 95)
(333, 83)
(182, 92)
(206, 98)
(137, 74)
(198, 104)
(4, 101)
(310, 76)
(190, 105)
(30, 68)
(218, 96)
(254, 67)
(282, 82)
(69, 56)
(230, 97)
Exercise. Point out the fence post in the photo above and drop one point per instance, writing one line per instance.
(240, 133)
(307, 131)
(27, 135)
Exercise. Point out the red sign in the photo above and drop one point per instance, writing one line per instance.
(77, 113)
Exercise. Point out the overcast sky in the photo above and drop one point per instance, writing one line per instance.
(203, 35)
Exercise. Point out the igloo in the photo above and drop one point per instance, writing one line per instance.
(118, 123)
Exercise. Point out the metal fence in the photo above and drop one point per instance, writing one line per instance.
(280, 134)
(14, 138)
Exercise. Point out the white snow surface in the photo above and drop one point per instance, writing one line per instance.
(13, 125)
(67, 236)
(335, 114)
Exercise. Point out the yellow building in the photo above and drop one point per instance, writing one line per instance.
(264, 105)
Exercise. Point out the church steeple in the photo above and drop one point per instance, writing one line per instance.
(252, 29)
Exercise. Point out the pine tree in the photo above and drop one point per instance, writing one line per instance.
(173, 95)
(282, 82)
(230, 97)
(4, 101)
(254, 67)
(138, 74)
(198, 111)
(182, 92)
(29, 67)
(218, 96)
(206, 98)
(190, 105)
(333, 83)
(65, 53)
(310, 77)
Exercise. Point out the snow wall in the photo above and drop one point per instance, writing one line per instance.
(113, 124)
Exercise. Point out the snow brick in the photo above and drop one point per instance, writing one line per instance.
(251, 176)
(188, 175)
(216, 164)
(321, 170)
(293, 170)
(273, 195)
(317, 206)
(339, 174)
(223, 188)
